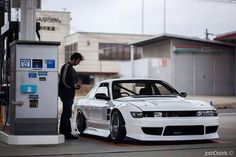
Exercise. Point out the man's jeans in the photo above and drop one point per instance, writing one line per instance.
(65, 126)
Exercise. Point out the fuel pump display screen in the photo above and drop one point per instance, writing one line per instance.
(37, 63)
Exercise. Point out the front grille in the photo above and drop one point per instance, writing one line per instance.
(179, 113)
(148, 114)
(211, 129)
(171, 113)
(184, 130)
(152, 131)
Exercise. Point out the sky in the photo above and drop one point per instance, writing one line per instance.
(183, 17)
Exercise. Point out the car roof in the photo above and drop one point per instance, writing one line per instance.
(126, 79)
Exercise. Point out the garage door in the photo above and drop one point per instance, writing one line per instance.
(183, 72)
(223, 73)
(203, 74)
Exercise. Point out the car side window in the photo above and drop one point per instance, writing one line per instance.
(103, 88)
(163, 90)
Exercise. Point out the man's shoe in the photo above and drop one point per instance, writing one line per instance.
(71, 137)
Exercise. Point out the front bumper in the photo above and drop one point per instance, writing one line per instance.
(173, 128)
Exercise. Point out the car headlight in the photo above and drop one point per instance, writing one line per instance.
(136, 114)
(206, 113)
(157, 114)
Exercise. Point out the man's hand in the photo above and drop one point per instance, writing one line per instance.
(77, 86)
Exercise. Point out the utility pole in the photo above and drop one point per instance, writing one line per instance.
(207, 34)
(142, 16)
(164, 9)
(132, 60)
(28, 19)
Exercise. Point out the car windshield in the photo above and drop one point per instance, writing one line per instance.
(142, 88)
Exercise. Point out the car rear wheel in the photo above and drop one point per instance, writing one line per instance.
(117, 127)
(80, 122)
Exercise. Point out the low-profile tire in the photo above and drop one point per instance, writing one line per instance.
(117, 127)
(80, 122)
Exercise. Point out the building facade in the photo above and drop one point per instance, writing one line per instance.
(197, 66)
(103, 53)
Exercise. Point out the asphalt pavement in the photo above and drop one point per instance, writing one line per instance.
(92, 146)
(88, 146)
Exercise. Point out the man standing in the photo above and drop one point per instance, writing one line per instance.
(67, 85)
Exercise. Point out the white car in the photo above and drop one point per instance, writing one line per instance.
(144, 109)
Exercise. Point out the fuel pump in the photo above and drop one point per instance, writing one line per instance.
(33, 88)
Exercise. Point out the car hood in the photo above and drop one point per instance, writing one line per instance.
(166, 104)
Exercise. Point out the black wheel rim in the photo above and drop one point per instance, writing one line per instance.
(115, 122)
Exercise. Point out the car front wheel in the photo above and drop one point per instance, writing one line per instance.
(117, 127)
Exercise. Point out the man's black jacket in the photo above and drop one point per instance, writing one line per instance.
(67, 81)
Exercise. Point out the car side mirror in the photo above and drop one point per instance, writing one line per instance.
(102, 96)
(183, 94)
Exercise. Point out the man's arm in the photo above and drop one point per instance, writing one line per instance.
(65, 71)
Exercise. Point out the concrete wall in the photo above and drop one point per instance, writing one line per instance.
(157, 68)
(160, 68)
(140, 69)
(157, 50)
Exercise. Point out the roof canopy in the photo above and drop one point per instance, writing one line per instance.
(226, 36)
(171, 36)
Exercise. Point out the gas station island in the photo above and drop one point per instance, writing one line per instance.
(33, 93)
(29, 80)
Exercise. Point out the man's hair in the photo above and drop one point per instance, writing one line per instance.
(76, 56)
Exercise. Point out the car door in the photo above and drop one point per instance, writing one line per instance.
(86, 108)
(98, 108)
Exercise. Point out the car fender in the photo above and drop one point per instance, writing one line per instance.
(125, 109)
(80, 104)
(207, 105)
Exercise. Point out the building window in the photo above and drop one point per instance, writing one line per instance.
(69, 50)
(116, 51)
